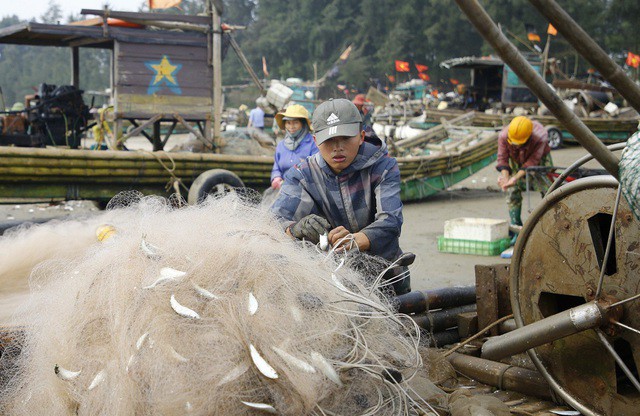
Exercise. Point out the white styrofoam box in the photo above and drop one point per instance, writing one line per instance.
(478, 229)
(279, 94)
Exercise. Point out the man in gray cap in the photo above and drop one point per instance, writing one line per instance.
(350, 189)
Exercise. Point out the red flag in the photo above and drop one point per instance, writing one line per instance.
(633, 60)
(454, 81)
(552, 30)
(391, 78)
(264, 67)
(402, 66)
(421, 68)
(424, 76)
(163, 4)
(532, 34)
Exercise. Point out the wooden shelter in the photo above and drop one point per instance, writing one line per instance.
(156, 75)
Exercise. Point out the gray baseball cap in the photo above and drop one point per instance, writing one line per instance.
(339, 117)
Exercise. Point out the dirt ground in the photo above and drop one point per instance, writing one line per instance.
(477, 196)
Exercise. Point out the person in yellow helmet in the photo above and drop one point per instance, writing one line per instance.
(522, 144)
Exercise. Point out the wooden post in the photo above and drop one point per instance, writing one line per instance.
(545, 56)
(75, 66)
(217, 74)
(157, 142)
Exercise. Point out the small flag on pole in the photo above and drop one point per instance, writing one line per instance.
(402, 66)
(421, 68)
(424, 76)
(552, 30)
(633, 60)
(532, 34)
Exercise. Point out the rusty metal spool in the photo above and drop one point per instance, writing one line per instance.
(555, 272)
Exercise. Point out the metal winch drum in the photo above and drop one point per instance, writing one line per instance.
(576, 308)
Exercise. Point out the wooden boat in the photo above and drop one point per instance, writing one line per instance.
(428, 163)
(609, 130)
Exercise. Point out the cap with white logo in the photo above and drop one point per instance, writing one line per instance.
(339, 117)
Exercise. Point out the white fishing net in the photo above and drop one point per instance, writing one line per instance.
(205, 310)
(630, 174)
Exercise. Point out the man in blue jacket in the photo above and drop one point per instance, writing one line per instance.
(350, 187)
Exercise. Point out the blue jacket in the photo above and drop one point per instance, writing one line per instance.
(363, 197)
(285, 159)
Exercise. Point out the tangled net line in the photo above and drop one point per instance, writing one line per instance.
(209, 309)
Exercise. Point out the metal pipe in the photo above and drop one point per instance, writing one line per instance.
(546, 330)
(508, 326)
(512, 57)
(589, 49)
(575, 165)
(420, 301)
(442, 338)
(442, 319)
(502, 376)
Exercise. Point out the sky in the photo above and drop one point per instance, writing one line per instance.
(28, 9)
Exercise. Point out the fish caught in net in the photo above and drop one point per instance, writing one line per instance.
(207, 309)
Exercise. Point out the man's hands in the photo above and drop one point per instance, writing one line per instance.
(276, 183)
(339, 243)
(310, 228)
(506, 181)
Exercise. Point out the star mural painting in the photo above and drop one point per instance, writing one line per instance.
(165, 75)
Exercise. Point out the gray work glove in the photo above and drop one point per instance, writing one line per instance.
(310, 228)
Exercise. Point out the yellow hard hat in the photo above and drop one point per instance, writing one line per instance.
(293, 111)
(105, 231)
(520, 130)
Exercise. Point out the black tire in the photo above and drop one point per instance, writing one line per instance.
(216, 182)
(555, 137)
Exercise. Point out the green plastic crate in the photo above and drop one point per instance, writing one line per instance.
(479, 248)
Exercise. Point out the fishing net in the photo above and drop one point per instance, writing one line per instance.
(208, 309)
(630, 173)
(25, 246)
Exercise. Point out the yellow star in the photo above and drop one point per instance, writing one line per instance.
(164, 70)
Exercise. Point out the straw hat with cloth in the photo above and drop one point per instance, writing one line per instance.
(294, 111)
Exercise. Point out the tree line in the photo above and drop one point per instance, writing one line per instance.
(305, 38)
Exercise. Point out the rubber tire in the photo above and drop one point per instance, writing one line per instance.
(213, 182)
(555, 138)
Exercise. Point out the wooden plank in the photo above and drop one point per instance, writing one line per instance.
(141, 127)
(145, 106)
(185, 70)
(487, 297)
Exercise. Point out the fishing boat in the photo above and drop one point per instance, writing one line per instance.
(431, 162)
(610, 130)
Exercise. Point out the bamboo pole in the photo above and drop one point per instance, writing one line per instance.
(510, 55)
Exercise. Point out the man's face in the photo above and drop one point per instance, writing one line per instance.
(340, 151)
